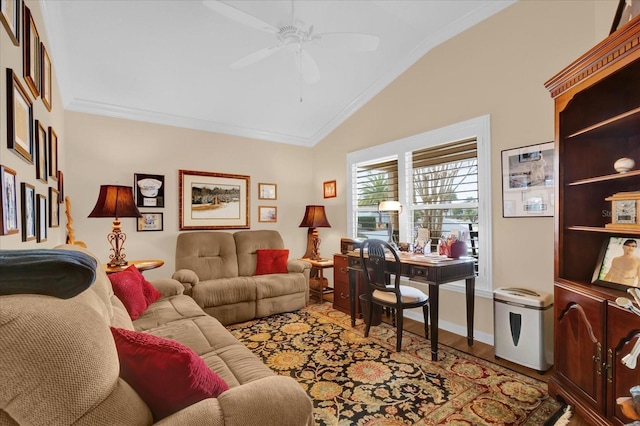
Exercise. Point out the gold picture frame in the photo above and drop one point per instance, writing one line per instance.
(41, 152)
(54, 208)
(31, 54)
(267, 191)
(19, 118)
(213, 200)
(53, 154)
(45, 78)
(267, 214)
(10, 18)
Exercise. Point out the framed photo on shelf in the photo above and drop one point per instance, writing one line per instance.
(149, 190)
(45, 78)
(54, 208)
(213, 200)
(528, 181)
(626, 11)
(329, 189)
(19, 118)
(41, 218)
(53, 154)
(28, 211)
(41, 152)
(31, 54)
(267, 214)
(10, 18)
(267, 191)
(618, 265)
(150, 221)
(9, 205)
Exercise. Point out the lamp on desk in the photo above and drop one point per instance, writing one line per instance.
(314, 217)
(116, 201)
(390, 206)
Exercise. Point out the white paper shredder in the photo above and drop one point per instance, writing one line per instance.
(523, 327)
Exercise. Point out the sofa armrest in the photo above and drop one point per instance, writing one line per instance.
(187, 278)
(270, 401)
(168, 287)
(295, 265)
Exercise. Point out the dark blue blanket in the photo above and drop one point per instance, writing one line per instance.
(58, 273)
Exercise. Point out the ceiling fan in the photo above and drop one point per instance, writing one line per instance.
(294, 37)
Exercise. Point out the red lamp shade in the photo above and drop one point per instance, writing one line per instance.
(315, 217)
(115, 201)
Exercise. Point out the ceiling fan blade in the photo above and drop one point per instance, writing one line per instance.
(256, 56)
(240, 16)
(353, 42)
(307, 67)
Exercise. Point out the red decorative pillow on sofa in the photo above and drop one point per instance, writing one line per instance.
(135, 293)
(166, 374)
(272, 261)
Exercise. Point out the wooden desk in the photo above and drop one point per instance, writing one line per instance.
(319, 266)
(142, 265)
(433, 271)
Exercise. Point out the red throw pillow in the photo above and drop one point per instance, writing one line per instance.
(272, 261)
(135, 293)
(166, 374)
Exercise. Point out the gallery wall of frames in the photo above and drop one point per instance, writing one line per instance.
(31, 133)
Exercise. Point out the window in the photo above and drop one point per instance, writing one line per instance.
(442, 180)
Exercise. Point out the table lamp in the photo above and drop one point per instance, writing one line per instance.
(116, 201)
(314, 217)
(390, 206)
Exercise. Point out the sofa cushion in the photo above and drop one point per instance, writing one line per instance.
(248, 242)
(166, 374)
(135, 292)
(271, 261)
(210, 255)
(166, 310)
(224, 291)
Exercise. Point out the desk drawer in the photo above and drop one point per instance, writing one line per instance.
(341, 296)
(442, 275)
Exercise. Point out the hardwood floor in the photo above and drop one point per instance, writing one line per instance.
(480, 350)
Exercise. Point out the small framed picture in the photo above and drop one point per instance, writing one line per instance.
(45, 78)
(149, 190)
(618, 265)
(9, 205)
(329, 189)
(61, 186)
(31, 54)
(150, 222)
(28, 210)
(54, 208)
(267, 214)
(10, 18)
(41, 152)
(267, 191)
(19, 118)
(53, 154)
(41, 218)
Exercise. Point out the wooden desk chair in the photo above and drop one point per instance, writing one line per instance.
(381, 292)
(70, 232)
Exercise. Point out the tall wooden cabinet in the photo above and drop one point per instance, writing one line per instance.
(597, 121)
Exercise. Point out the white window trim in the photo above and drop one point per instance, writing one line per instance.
(479, 128)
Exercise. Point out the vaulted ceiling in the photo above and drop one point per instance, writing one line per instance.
(169, 62)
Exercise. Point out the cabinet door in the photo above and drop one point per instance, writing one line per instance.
(623, 332)
(579, 348)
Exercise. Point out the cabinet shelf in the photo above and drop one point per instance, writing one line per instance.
(602, 230)
(623, 125)
(605, 178)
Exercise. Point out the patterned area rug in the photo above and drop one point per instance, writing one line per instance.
(355, 380)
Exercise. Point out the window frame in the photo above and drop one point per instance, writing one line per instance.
(478, 128)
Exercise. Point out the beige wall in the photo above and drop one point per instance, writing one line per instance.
(496, 68)
(11, 57)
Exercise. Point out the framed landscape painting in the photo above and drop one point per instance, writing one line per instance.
(213, 200)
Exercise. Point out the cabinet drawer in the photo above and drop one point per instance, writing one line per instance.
(341, 296)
